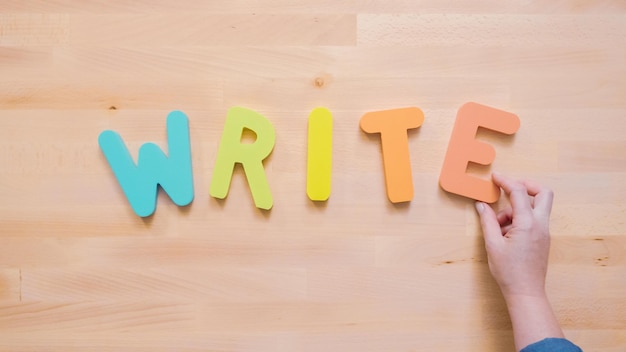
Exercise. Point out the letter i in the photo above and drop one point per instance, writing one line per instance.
(320, 154)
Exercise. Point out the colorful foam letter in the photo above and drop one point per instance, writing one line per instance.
(392, 126)
(250, 155)
(320, 154)
(139, 182)
(464, 148)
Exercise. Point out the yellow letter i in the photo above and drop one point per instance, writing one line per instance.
(320, 154)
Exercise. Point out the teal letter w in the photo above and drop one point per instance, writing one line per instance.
(139, 182)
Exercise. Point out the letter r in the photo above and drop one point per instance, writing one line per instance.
(250, 156)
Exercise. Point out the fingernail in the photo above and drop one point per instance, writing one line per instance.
(480, 206)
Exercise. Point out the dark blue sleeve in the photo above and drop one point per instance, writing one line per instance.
(552, 345)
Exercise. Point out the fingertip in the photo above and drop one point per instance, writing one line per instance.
(499, 179)
(509, 185)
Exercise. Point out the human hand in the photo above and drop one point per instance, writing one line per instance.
(517, 239)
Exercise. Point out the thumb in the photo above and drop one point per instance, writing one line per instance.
(489, 222)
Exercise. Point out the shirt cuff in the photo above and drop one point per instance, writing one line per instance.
(552, 345)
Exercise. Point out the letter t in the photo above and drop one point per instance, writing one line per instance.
(393, 126)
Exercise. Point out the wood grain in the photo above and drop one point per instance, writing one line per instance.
(79, 271)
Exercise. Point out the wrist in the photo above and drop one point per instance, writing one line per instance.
(532, 318)
(535, 298)
(536, 290)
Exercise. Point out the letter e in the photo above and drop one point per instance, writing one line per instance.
(464, 148)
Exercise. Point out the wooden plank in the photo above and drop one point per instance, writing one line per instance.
(80, 271)
(324, 6)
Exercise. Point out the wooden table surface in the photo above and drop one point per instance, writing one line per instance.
(79, 271)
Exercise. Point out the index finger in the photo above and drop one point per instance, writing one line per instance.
(517, 192)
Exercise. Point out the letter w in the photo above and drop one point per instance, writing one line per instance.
(139, 182)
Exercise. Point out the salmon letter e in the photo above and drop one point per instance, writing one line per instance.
(464, 148)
